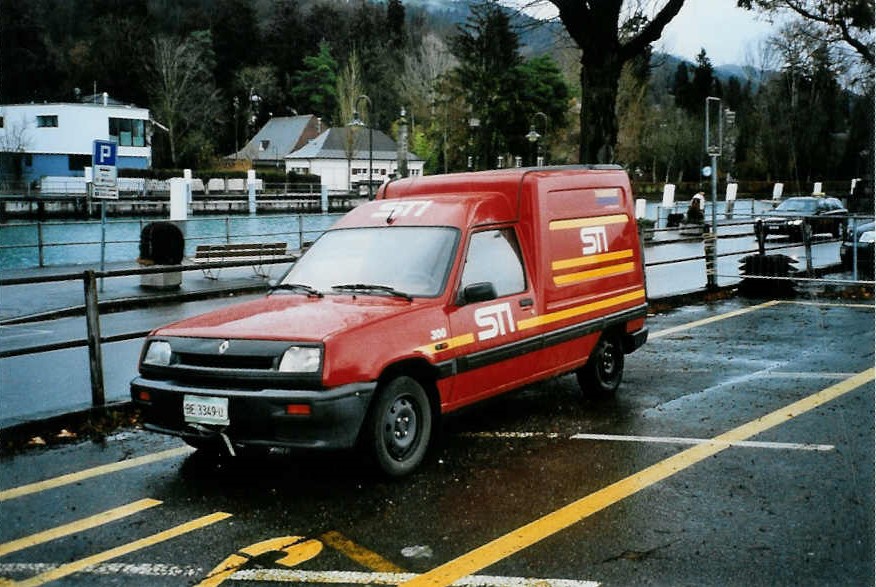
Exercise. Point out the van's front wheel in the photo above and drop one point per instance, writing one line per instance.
(602, 374)
(399, 427)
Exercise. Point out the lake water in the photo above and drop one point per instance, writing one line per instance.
(78, 242)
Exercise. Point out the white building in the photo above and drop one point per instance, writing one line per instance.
(340, 156)
(39, 140)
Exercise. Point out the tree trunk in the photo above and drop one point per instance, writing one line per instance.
(599, 86)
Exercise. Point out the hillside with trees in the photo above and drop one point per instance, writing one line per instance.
(475, 79)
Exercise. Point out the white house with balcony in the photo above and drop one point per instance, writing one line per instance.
(340, 156)
(55, 139)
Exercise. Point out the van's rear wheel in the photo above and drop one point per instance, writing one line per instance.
(399, 427)
(602, 374)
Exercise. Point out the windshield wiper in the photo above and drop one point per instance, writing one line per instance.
(368, 287)
(310, 291)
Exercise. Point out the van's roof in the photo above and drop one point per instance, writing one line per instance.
(502, 180)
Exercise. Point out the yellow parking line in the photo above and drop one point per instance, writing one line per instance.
(829, 304)
(562, 518)
(712, 319)
(368, 559)
(92, 472)
(101, 557)
(77, 526)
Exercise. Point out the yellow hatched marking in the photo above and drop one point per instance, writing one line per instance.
(570, 278)
(639, 294)
(591, 260)
(584, 222)
(102, 557)
(93, 472)
(367, 558)
(77, 526)
(536, 531)
(295, 550)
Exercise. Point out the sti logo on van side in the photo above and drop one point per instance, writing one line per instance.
(445, 291)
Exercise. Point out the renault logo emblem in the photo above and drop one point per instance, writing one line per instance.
(223, 347)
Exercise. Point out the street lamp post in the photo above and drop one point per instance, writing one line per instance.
(358, 122)
(714, 143)
(254, 100)
(533, 136)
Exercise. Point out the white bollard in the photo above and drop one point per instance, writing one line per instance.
(251, 187)
(641, 208)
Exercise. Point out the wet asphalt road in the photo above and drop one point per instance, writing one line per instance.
(537, 485)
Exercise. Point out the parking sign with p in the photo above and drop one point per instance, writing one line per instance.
(105, 174)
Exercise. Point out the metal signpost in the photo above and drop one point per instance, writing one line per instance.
(104, 186)
(713, 148)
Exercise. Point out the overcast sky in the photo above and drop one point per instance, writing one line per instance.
(727, 33)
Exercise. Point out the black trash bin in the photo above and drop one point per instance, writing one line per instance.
(161, 243)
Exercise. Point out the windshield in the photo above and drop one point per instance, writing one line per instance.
(407, 260)
(802, 205)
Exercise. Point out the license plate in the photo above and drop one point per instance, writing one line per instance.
(205, 410)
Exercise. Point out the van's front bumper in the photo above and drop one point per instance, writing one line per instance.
(260, 417)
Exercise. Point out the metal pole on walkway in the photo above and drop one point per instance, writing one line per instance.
(95, 357)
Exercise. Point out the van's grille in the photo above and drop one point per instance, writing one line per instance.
(225, 361)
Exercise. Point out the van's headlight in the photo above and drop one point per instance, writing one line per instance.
(868, 237)
(301, 359)
(795, 222)
(158, 353)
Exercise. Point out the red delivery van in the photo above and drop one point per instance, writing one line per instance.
(444, 291)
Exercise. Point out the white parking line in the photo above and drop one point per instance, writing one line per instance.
(289, 575)
(365, 578)
(654, 440)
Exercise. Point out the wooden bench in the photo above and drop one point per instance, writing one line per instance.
(253, 253)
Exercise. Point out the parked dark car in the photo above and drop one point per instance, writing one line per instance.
(864, 237)
(825, 215)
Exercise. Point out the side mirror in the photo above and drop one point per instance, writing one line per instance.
(477, 292)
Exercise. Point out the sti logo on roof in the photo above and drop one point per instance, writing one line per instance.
(104, 153)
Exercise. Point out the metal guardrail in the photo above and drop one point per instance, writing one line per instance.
(92, 305)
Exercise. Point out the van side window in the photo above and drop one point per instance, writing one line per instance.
(494, 256)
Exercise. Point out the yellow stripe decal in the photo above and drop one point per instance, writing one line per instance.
(439, 346)
(637, 295)
(591, 260)
(570, 278)
(538, 530)
(583, 222)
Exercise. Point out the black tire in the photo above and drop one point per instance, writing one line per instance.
(602, 374)
(399, 427)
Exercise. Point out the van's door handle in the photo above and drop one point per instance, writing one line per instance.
(526, 303)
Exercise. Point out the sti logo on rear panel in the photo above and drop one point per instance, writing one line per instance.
(594, 240)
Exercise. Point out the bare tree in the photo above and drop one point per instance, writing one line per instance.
(14, 140)
(181, 90)
(422, 72)
(846, 21)
(349, 89)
